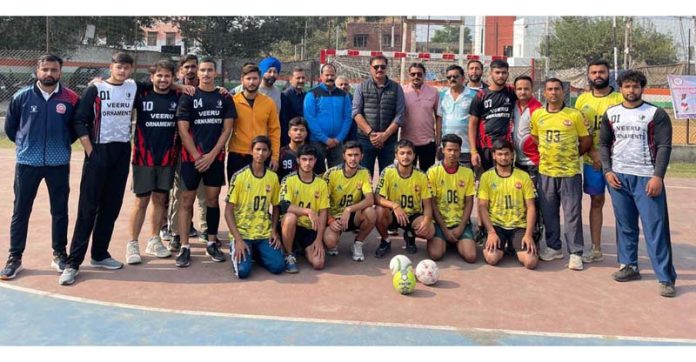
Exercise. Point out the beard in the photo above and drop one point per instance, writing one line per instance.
(251, 88)
(269, 81)
(632, 97)
(475, 78)
(48, 81)
(600, 83)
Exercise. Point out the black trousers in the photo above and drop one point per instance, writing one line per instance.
(26, 184)
(104, 176)
(425, 156)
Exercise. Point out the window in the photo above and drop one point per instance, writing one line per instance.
(151, 38)
(386, 40)
(360, 41)
(171, 39)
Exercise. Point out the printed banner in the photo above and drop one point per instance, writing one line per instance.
(683, 88)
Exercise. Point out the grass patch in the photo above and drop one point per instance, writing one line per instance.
(682, 170)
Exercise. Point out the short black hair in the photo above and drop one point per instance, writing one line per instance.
(122, 58)
(553, 80)
(379, 56)
(455, 67)
(209, 60)
(474, 61)
(186, 58)
(598, 62)
(500, 144)
(323, 66)
(308, 149)
(163, 64)
(523, 77)
(298, 121)
(49, 58)
(404, 143)
(632, 76)
(452, 138)
(261, 139)
(499, 64)
(352, 144)
(417, 65)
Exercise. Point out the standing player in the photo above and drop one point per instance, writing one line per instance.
(561, 133)
(351, 200)
(453, 193)
(474, 71)
(155, 154)
(593, 104)
(297, 133)
(304, 199)
(403, 201)
(506, 199)
(205, 123)
(253, 190)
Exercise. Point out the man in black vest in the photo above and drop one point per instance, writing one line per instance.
(378, 109)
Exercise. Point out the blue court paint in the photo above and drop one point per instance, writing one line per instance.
(30, 319)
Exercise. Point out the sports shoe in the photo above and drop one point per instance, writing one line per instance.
(291, 264)
(332, 252)
(481, 236)
(133, 253)
(595, 255)
(165, 234)
(13, 266)
(108, 263)
(392, 232)
(575, 262)
(549, 254)
(215, 253)
(667, 289)
(383, 249)
(203, 236)
(156, 248)
(627, 273)
(193, 232)
(184, 258)
(68, 276)
(59, 261)
(410, 241)
(175, 244)
(357, 251)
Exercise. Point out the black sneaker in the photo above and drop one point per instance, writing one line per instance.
(481, 236)
(215, 253)
(410, 241)
(59, 261)
(203, 236)
(667, 289)
(13, 266)
(184, 258)
(174, 244)
(392, 232)
(627, 273)
(383, 249)
(193, 232)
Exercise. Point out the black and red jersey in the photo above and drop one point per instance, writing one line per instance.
(206, 112)
(288, 162)
(495, 110)
(155, 139)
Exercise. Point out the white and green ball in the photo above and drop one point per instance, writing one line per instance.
(398, 263)
(404, 280)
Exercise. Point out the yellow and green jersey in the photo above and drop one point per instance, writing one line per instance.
(593, 108)
(558, 134)
(345, 191)
(409, 191)
(312, 195)
(506, 197)
(251, 197)
(450, 191)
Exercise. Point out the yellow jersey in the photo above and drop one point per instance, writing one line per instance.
(345, 191)
(450, 191)
(507, 197)
(558, 134)
(313, 195)
(409, 191)
(251, 197)
(593, 108)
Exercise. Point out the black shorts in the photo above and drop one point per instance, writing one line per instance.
(510, 238)
(190, 177)
(395, 223)
(304, 237)
(148, 179)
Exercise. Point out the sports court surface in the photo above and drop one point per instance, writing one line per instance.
(348, 303)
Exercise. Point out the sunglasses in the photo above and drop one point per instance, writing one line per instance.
(379, 66)
(450, 77)
(417, 74)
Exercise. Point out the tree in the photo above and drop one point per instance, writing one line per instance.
(450, 34)
(577, 40)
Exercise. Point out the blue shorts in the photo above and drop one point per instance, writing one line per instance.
(593, 182)
(467, 234)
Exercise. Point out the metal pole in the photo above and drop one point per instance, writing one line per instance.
(427, 38)
(404, 34)
(548, 49)
(48, 50)
(616, 51)
(627, 32)
(461, 41)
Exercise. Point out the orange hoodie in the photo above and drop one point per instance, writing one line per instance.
(262, 119)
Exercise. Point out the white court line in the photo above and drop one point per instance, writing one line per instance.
(346, 322)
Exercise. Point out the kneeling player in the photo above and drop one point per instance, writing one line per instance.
(252, 190)
(453, 194)
(351, 201)
(506, 200)
(403, 201)
(304, 198)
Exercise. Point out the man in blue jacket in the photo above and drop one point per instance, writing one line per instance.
(39, 122)
(327, 110)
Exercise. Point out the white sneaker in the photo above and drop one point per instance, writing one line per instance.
(549, 254)
(575, 262)
(156, 248)
(332, 252)
(133, 253)
(357, 251)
